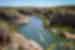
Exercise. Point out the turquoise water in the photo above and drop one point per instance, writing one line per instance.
(35, 30)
